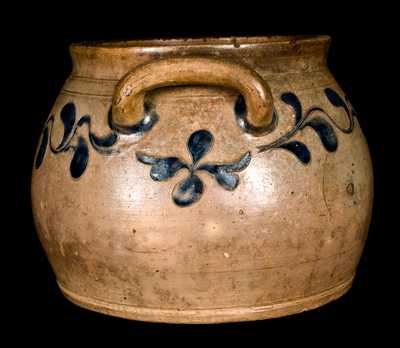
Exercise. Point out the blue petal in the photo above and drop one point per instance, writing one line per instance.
(80, 159)
(43, 147)
(162, 168)
(223, 172)
(292, 100)
(237, 166)
(325, 132)
(146, 159)
(166, 168)
(229, 181)
(68, 118)
(208, 167)
(199, 144)
(224, 177)
(299, 150)
(188, 191)
(241, 164)
(335, 99)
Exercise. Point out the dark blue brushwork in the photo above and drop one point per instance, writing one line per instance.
(150, 118)
(224, 173)
(320, 125)
(70, 142)
(100, 144)
(298, 149)
(199, 144)
(42, 147)
(336, 100)
(292, 100)
(67, 115)
(80, 159)
(325, 132)
(189, 190)
(162, 168)
(240, 110)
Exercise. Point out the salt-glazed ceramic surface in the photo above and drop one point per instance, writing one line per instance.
(202, 181)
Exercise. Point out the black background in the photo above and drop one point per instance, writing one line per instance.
(38, 62)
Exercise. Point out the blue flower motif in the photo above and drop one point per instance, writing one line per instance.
(189, 190)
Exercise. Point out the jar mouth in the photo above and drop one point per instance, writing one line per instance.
(111, 60)
(234, 41)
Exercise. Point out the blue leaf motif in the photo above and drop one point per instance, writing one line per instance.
(162, 168)
(323, 127)
(100, 144)
(42, 148)
(67, 115)
(335, 99)
(80, 159)
(145, 159)
(166, 168)
(188, 191)
(229, 181)
(223, 172)
(238, 166)
(199, 144)
(299, 150)
(292, 100)
(325, 132)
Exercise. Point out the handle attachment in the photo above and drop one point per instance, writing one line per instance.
(128, 108)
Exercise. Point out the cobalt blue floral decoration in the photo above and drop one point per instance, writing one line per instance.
(189, 190)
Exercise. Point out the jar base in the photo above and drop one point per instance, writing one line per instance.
(209, 315)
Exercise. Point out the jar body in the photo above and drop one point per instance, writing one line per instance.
(132, 233)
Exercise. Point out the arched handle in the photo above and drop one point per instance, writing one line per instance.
(255, 117)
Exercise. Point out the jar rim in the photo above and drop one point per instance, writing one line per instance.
(235, 41)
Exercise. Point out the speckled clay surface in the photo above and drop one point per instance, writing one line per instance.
(202, 181)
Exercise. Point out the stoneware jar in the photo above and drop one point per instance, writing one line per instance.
(202, 180)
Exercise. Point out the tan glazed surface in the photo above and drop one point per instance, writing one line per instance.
(202, 181)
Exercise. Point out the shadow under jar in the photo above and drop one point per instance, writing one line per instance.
(202, 180)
